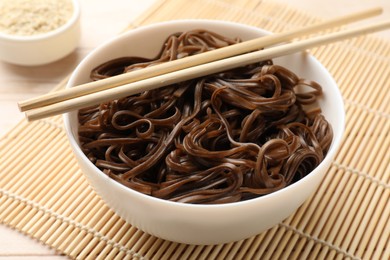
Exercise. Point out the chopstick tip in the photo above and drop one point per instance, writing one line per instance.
(20, 106)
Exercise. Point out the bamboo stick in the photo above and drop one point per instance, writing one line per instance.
(218, 54)
(194, 72)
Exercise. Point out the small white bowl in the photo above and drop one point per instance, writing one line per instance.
(203, 224)
(42, 48)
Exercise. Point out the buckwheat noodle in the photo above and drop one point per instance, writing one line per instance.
(222, 138)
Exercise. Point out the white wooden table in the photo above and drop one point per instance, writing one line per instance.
(101, 20)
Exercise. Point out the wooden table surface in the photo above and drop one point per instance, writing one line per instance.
(101, 20)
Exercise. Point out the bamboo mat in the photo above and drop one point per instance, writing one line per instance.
(44, 195)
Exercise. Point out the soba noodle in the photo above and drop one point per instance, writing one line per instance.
(222, 138)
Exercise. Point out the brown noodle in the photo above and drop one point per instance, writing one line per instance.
(222, 138)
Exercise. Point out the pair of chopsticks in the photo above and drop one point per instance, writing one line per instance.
(199, 65)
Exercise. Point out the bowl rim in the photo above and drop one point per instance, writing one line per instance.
(41, 36)
(329, 156)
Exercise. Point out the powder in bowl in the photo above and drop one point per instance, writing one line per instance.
(27, 17)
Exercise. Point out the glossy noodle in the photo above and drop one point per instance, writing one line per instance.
(222, 138)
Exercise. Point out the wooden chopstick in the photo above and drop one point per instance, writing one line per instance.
(191, 61)
(197, 71)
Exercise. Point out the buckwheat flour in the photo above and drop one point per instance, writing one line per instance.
(30, 17)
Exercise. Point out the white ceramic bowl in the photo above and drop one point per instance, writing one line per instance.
(42, 48)
(203, 224)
